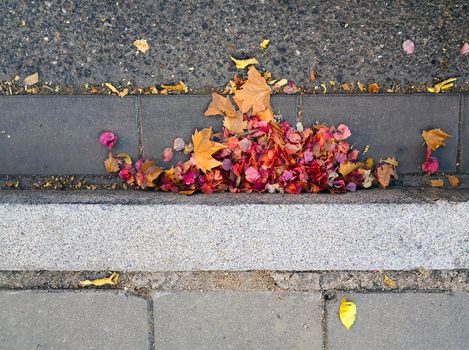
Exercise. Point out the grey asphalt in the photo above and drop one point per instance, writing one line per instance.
(196, 320)
(83, 42)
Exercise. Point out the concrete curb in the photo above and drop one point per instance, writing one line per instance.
(368, 230)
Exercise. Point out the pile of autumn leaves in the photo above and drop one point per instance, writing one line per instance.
(255, 153)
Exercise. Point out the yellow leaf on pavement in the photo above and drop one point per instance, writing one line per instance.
(112, 88)
(360, 85)
(235, 125)
(221, 105)
(111, 164)
(444, 85)
(434, 138)
(141, 45)
(176, 87)
(264, 43)
(388, 281)
(124, 92)
(31, 79)
(347, 313)
(437, 183)
(241, 64)
(204, 148)
(453, 180)
(112, 280)
(347, 167)
(373, 88)
(254, 94)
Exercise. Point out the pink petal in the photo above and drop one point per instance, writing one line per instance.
(342, 132)
(167, 154)
(178, 144)
(408, 46)
(464, 49)
(252, 175)
(108, 139)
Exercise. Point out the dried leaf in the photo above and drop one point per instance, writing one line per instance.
(464, 49)
(31, 79)
(167, 154)
(347, 167)
(346, 87)
(141, 45)
(125, 157)
(373, 88)
(388, 281)
(390, 160)
(111, 164)
(112, 88)
(254, 94)
(437, 183)
(280, 83)
(347, 313)
(266, 115)
(434, 138)
(241, 64)
(444, 85)
(264, 43)
(124, 92)
(204, 148)
(408, 46)
(360, 85)
(221, 105)
(112, 280)
(235, 125)
(311, 76)
(383, 174)
(178, 144)
(176, 87)
(453, 180)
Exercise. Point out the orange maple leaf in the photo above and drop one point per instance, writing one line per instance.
(221, 105)
(434, 138)
(204, 148)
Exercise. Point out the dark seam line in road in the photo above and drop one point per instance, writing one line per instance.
(138, 120)
(299, 109)
(324, 321)
(461, 121)
(151, 324)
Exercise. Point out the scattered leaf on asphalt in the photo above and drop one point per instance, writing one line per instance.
(204, 148)
(434, 138)
(124, 92)
(311, 76)
(444, 85)
(346, 87)
(347, 313)
(388, 281)
(180, 86)
(241, 64)
(453, 180)
(31, 79)
(112, 88)
(360, 85)
(141, 45)
(464, 49)
(290, 88)
(264, 43)
(373, 87)
(437, 183)
(178, 144)
(112, 280)
(408, 46)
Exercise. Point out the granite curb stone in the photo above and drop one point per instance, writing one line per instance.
(70, 320)
(237, 320)
(465, 134)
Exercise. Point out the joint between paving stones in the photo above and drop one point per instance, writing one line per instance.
(151, 324)
(460, 145)
(138, 120)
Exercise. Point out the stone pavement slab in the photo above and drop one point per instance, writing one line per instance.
(237, 320)
(401, 321)
(391, 124)
(69, 320)
(58, 135)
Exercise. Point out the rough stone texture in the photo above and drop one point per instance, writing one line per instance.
(73, 320)
(58, 135)
(77, 42)
(391, 124)
(401, 321)
(224, 233)
(234, 320)
(465, 135)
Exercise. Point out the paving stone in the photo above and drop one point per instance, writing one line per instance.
(465, 135)
(166, 117)
(58, 135)
(237, 320)
(391, 124)
(401, 321)
(66, 320)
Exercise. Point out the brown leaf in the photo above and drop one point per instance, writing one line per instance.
(111, 164)
(254, 94)
(373, 87)
(361, 87)
(141, 45)
(383, 174)
(437, 183)
(235, 125)
(434, 138)
(312, 76)
(346, 87)
(453, 180)
(31, 79)
(221, 105)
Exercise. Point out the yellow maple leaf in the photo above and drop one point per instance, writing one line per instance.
(235, 125)
(434, 138)
(241, 64)
(111, 164)
(347, 313)
(204, 148)
(264, 43)
(112, 280)
(141, 45)
(176, 87)
(444, 85)
(221, 105)
(254, 94)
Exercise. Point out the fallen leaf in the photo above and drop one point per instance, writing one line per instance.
(11, 184)
(125, 157)
(266, 115)
(280, 83)
(178, 144)
(167, 154)
(235, 125)
(347, 313)
(464, 49)
(434, 138)
(373, 87)
(112, 280)
(383, 174)
(430, 165)
(324, 88)
(221, 105)
(347, 167)
(264, 43)
(204, 148)
(408, 46)
(124, 92)
(141, 45)
(254, 94)
(346, 87)
(107, 139)
(388, 281)
(241, 64)
(444, 85)
(112, 88)
(312, 76)
(111, 164)
(176, 87)
(360, 85)
(31, 79)
(437, 183)
(453, 180)
(390, 160)
(290, 89)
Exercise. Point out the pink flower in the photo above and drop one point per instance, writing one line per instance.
(108, 139)
(125, 173)
(167, 154)
(408, 47)
(252, 175)
(464, 49)
(430, 165)
(342, 132)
